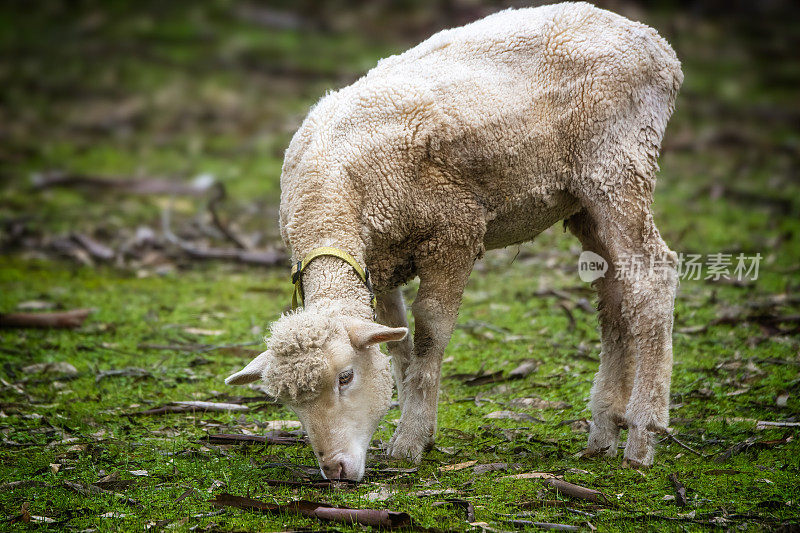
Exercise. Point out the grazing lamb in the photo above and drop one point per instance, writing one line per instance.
(480, 137)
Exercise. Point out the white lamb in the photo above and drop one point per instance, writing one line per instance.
(480, 137)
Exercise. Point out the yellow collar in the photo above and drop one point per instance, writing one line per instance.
(297, 273)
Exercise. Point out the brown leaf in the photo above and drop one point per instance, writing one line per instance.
(680, 490)
(526, 368)
(483, 379)
(186, 494)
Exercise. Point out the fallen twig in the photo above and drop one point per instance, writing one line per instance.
(253, 257)
(217, 196)
(576, 491)
(322, 511)
(674, 439)
(48, 180)
(96, 249)
(21, 484)
(764, 424)
(542, 525)
(751, 442)
(739, 317)
(230, 438)
(62, 319)
(320, 485)
(188, 407)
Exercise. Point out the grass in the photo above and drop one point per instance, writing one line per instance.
(109, 90)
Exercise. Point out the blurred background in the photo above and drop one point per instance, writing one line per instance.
(150, 135)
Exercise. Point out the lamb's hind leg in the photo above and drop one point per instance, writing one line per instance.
(392, 312)
(645, 280)
(614, 380)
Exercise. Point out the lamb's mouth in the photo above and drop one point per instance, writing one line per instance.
(342, 467)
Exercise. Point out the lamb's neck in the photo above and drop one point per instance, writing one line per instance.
(331, 282)
(324, 211)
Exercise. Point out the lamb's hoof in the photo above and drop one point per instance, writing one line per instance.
(591, 453)
(635, 465)
(409, 447)
(603, 440)
(587, 454)
(640, 448)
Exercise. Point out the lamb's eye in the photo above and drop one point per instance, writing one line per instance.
(345, 378)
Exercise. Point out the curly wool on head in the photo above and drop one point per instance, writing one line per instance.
(298, 364)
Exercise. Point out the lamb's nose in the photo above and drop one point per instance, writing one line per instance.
(332, 470)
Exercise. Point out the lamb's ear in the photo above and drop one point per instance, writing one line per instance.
(252, 372)
(363, 333)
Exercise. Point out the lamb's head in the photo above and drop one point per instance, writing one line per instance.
(329, 370)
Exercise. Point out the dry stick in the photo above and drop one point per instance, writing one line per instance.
(733, 320)
(219, 195)
(323, 511)
(542, 525)
(685, 446)
(255, 257)
(576, 491)
(763, 424)
(234, 438)
(143, 186)
(187, 407)
(96, 249)
(63, 319)
(199, 348)
(321, 485)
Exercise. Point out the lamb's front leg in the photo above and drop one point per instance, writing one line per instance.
(434, 310)
(392, 313)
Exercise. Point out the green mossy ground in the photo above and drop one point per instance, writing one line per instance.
(163, 91)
